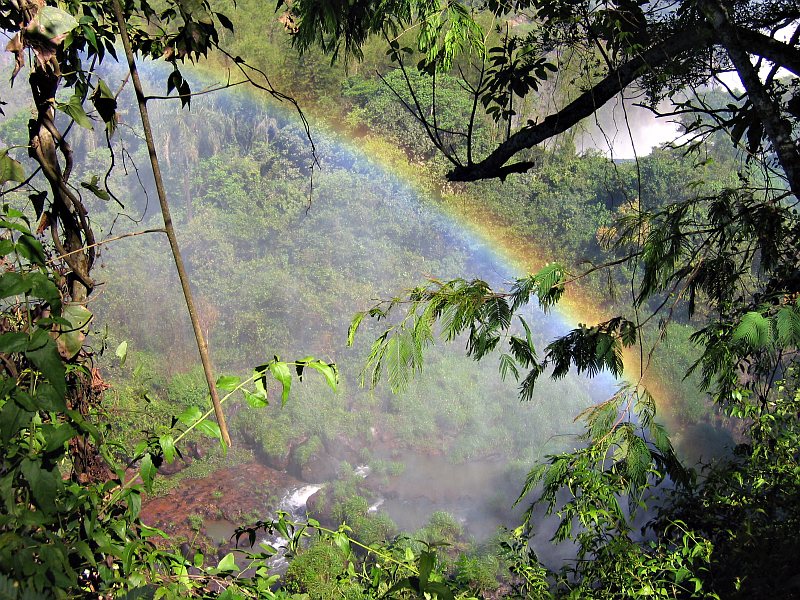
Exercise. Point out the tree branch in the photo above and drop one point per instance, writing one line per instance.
(494, 165)
(778, 130)
(785, 55)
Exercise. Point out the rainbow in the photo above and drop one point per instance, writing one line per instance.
(518, 254)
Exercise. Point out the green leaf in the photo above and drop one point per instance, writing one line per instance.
(167, 443)
(228, 383)
(397, 359)
(134, 500)
(13, 418)
(228, 563)
(31, 249)
(13, 341)
(41, 286)
(43, 353)
(106, 105)
(95, 189)
(342, 542)
(122, 353)
(425, 563)
(13, 284)
(255, 400)
(70, 339)
(43, 484)
(50, 399)
(354, 325)
(52, 22)
(74, 108)
(190, 416)
(754, 329)
(58, 436)
(328, 370)
(147, 470)
(787, 326)
(440, 590)
(281, 372)
(507, 365)
(10, 169)
(209, 428)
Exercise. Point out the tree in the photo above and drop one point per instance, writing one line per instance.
(69, 519)
(734, 251)
(658, 48)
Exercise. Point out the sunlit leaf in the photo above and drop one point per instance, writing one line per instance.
(10, 169)
(328, 370)
(122, 352)
(228, 383)
(281, 372)
(167, 443)
(228, 563)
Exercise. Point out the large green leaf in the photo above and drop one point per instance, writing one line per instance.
(228, 383)
(13, 418)
(52, 22)
(43, 353)
(74, 108)
(327, 369)
(281, 372)
(70, 339)
(43, 483)
(228, 563)
(190, 415)
(147, 470)
(10, 169)
(13, 341)
(754, 328)
(167, 443)
(255, 400)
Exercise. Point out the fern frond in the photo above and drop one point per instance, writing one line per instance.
(754, 329)
(354, 325)
(787, 326)
(507, 365)
(398, 360)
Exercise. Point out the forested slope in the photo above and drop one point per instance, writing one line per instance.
(697, 245)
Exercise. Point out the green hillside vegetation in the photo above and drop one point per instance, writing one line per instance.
(101, 385)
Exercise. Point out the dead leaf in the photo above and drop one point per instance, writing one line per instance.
(16, 46)
(288, 22)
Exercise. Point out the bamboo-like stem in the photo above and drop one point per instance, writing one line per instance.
(173, 241)
(106, 241)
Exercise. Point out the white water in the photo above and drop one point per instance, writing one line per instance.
(293, 502)
(374, 508)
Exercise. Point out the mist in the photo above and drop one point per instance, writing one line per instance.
(279, 269)
(279, 266)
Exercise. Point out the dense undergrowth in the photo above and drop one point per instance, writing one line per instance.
(279, 271)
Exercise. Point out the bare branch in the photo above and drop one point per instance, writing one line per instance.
(494, 165)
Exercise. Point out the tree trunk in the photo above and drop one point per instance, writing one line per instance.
(778, 129)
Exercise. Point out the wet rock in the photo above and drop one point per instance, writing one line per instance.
(319, 506)
(193, 451)
(319, 467)
(311, 461)
(186, 551)
(277, 461)
(172, 468)
(238, 494)
(344, 448)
